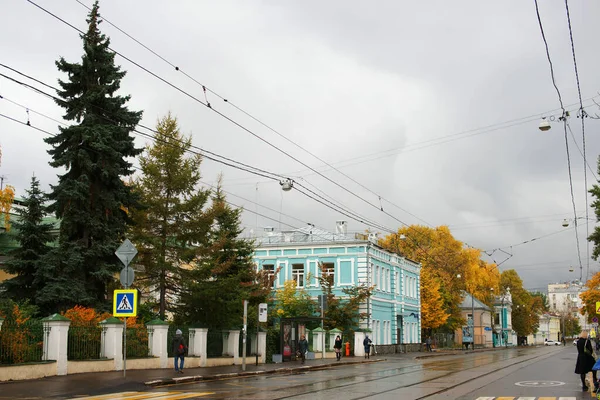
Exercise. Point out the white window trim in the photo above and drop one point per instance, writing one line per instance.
(339, 271)
(282, 272)
(303, 276)
(314, 262)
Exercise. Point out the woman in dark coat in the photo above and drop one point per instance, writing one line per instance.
(338, 347)
(585, 360)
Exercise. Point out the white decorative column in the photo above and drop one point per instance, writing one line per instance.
(233, 346)
(332, 335)
(112, 341)
(197, 345)
(262, 347)
(1, 321)
(359, 348)
(318, 339)
(56, 328)
(157, 340)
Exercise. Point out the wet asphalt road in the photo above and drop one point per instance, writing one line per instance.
(538, 373)
(513, 372)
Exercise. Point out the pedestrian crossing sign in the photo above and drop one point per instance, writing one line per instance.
(598, 307)
(125, 303)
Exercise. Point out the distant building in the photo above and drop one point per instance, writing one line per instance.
(563, 299)
(394, 310)
(479, 328)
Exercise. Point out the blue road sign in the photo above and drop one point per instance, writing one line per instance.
(125, 303)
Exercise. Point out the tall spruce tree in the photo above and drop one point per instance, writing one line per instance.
(224, 274)
(172, 226)
(90, 197)
(33, 236)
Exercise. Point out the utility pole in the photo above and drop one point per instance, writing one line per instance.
(245, 335)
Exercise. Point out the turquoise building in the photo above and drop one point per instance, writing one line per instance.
(394, 310)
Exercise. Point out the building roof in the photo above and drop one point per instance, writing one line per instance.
(308, 234)
(470, 301)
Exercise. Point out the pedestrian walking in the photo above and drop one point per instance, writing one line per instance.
(303, 347)
(428, 343)
(585, 361)
(338, 347)
(179, 349)
(367, 344)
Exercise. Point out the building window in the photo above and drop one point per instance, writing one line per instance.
(389, 280)
(328, 270)
(397, 282)
(377, 283)
(270, 271)
(298, 274)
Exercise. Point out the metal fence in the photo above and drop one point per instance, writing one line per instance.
(21, 343)
(84, 342)
(443, 340)
(137, 342)
(214, 343)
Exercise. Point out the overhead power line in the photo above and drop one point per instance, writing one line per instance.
(343, 211)
(582, 115)
(564, 122)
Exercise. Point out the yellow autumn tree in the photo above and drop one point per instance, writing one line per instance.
(7, 196)
(455, 268)
(432, 303)
(291, 301)
(590, 296)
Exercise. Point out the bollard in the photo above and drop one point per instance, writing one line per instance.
(347, 349)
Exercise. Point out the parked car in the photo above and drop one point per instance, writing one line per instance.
(551, 343)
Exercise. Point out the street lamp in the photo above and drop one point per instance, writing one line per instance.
(472, 313)
(287, 185)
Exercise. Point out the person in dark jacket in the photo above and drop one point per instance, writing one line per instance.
(367, 345)
(179, 350)
(303, 347)
(585, 360)
(338, 347)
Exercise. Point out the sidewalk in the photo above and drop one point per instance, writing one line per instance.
(140, 380)
(98, 383)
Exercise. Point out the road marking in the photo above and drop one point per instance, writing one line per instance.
(540, 384)
(146, 395)
(526, 398)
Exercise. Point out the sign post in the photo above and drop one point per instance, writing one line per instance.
(262, 317)
(125, 301)
(244, 335)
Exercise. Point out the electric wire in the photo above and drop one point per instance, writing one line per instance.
(582, 115)
(331, 205)
(206, 104)
(205, 88)
(138, 168)
(564, 121)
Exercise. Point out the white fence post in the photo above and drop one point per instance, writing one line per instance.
(56, 341)
(262, 347)
(158, 341)
(359, 348)
(233, 346)
(197, 346)
(112, 341)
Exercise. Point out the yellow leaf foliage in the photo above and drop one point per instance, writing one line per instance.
(442, 259)
(432, 303)
(590, 297)
(7, 196)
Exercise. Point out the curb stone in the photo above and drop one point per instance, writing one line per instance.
(283, 370)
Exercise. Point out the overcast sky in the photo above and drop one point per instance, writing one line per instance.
(398, 95)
